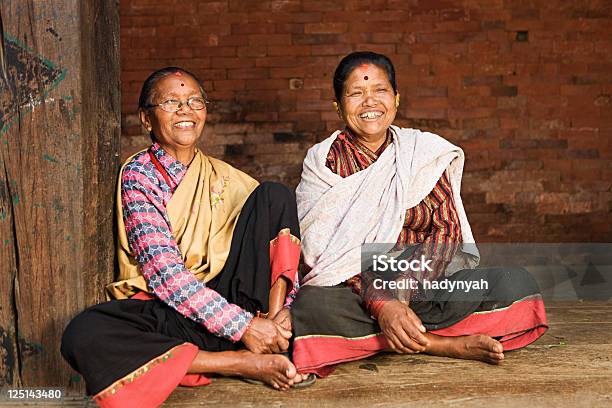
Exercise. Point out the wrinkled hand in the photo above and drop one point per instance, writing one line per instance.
(283, 319)
(265, 336)
(402, 328)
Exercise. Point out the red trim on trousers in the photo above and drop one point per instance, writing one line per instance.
(518, 325)
(151, 388)
(522, 317)
(189, 380)
(284, 258)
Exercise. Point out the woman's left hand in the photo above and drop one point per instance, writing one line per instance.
(402, 328)
(283, 318)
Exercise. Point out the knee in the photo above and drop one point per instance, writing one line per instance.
(517, 273)
(278, 191)
(77, 335)
(514, 283)
(311, 302)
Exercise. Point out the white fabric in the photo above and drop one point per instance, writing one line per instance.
(337, 215)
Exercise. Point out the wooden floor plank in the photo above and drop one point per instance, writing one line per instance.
(570, 366)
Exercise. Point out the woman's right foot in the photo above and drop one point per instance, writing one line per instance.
(473, 347)
(273, 369)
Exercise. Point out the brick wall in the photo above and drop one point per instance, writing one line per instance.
(524, 87)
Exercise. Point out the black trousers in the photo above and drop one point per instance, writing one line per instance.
(108, 341)
(312, 308)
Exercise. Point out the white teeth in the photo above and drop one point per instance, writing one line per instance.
(184, 124)
(370, 115)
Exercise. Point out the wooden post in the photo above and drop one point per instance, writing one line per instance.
(59, 157)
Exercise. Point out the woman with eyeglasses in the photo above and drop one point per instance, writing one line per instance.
(208, 264)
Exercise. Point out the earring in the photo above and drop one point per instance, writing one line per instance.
(337, 108)
(397, 100)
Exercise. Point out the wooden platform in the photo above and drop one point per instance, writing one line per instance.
(570, 366)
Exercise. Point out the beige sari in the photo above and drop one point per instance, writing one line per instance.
(203, 212)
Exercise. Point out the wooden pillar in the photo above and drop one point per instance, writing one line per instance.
(59, 153)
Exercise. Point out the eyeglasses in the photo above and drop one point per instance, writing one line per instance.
(174, 105)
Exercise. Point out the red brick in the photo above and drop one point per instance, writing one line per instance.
(231, 62)
(216, 51)
(533, 117)
(253, 28)
(335, 49)
(261, 117)
(294, 50)
(428, 102)
(252, 51)
(325, 28)
(270, 39)
(379, 48)
(247, 73)
(290, 28)
(321, 5)
(228, 40)
(276, 62)
(424, 113)
(274, 84)
(315, 38)
(213, 7)
(233, 18)
(229, 85)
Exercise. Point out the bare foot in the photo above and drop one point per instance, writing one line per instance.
(473, 347)
(273, 369)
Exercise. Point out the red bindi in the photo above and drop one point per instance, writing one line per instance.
(364, 69)
(182, 84)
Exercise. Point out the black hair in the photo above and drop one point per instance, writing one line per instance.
(353, 60)
(147, 92)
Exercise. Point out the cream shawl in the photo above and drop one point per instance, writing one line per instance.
(203, 212)
(337, 215)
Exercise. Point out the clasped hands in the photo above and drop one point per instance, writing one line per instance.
(266, 336)
(402, 328)
(400, 325)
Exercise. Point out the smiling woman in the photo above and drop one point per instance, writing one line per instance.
(368, 103)
(207, 266)
(178, 115)
(373, 182)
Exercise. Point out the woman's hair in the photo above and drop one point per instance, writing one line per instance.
(355, 59)
(147, 93)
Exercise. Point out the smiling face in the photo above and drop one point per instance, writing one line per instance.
(368, 104)
(179, 130)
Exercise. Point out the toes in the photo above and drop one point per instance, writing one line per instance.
(280, 384)
(496, 356)
(283, 384)
(282, 379)
(291, 372)
(488, 343)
